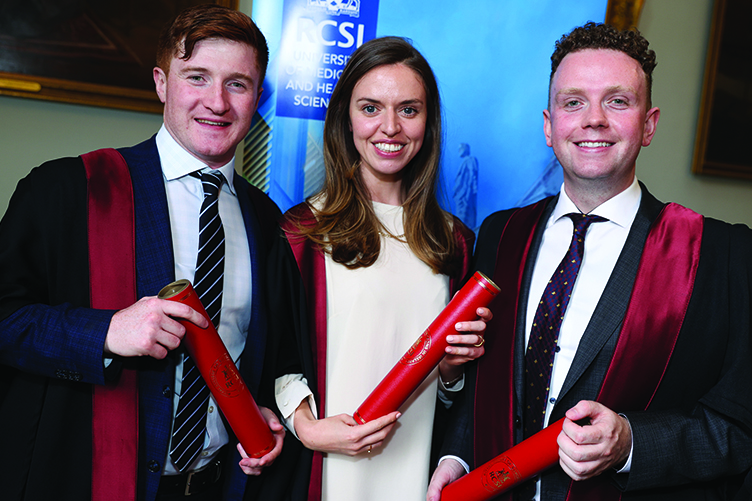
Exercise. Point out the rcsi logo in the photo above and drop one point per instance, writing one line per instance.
(418, 350)
(318, 37)
(498, 473)
(225, 377)
(337, 7)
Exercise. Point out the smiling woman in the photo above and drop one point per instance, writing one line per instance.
(385, 259)
(388, 120)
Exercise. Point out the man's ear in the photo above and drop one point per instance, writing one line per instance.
(651, 124)
(160, 83)
(547, 126)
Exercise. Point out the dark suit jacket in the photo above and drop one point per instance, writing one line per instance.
(696, 436)
(52, 344)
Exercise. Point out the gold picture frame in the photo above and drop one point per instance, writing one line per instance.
(624, 14)
(85, 51)
(723, 126)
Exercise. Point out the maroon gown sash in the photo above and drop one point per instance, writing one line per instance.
(649, 332)
(651, 326)
(313, 272)
(112, 276)
(494, 398)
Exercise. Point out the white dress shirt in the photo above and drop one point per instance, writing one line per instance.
(184, 197)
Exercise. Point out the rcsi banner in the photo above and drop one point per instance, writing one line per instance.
(318, 38)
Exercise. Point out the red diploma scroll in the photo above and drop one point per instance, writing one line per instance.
(521, 462)
(427, 351)
(221, 376)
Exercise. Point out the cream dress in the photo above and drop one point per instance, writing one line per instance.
(374, 315)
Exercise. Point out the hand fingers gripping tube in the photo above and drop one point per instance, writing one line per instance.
(521, 462)
(221, 376)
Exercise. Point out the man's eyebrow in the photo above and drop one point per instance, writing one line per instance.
(608, 90)
(200, 69)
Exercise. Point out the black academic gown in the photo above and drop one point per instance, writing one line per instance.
(299, 287)
(695, 439)
(51, 355)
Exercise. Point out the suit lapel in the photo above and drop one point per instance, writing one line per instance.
(154, 255)
(155, 268)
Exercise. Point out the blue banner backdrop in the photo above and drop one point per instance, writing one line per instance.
(492, 62)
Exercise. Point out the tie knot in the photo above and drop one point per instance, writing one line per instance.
(211, 181)
(582, 221)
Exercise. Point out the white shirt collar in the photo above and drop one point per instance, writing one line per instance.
(177, 162)
(620, 209)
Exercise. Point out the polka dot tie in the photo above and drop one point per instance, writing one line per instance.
(544, 334)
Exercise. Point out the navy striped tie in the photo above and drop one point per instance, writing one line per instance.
(190, 419)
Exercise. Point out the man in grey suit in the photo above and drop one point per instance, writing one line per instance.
(649, 364)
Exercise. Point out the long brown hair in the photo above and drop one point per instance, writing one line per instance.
(347, 226)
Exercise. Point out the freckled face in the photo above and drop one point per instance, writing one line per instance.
(210, 99)
(598, 120)
(388, 121)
